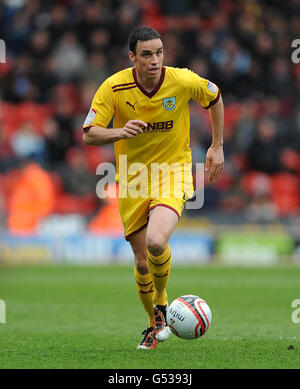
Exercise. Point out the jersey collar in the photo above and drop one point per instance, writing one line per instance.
(156, 89)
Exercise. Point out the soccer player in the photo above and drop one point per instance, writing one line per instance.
(149, 106)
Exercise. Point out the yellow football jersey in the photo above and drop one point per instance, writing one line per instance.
(165, 110)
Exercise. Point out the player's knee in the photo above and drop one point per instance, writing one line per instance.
(141, 263)
(156, 244)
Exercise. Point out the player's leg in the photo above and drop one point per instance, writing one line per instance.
(144, 285)
(141, 272)
(162, 221)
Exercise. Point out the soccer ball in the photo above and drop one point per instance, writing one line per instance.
(189, 317)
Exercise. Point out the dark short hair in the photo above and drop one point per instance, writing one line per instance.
(142, 34)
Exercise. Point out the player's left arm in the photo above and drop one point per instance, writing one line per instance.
(215, 156)
(209, 97)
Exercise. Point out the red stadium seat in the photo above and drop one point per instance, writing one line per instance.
(255, 182)
(10, 118)
(14, 116)
(69, 203)
(285, 193)
(36, 114)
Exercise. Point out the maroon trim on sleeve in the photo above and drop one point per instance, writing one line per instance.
(120, 85)
(129, 87)
(156, 89)
(86, 129)
(213, 102)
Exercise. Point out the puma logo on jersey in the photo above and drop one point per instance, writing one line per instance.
(131, 105)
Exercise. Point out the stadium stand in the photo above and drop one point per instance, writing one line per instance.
(59, 52)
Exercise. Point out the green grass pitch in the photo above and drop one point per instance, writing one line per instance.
(90, 317)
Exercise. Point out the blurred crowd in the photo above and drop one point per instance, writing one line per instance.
(59, 52)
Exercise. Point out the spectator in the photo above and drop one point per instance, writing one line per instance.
(245, 128)
(59, 138)
(76, 177)
(26, 144)
(264, 152)
(32, 199)
(58, 53)
(69, 58)
(97, 69)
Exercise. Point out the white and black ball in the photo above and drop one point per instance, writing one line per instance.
(189, 316)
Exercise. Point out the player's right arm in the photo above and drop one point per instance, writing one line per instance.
(97, 135)
(103, 108)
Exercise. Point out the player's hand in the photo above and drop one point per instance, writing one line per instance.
(132, 128)
(214, 163)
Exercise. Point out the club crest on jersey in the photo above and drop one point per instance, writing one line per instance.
(169, 103)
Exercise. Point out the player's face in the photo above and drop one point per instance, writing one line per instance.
(149, 58)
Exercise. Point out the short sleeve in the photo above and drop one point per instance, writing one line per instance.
(202, 90)
(102, 108)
